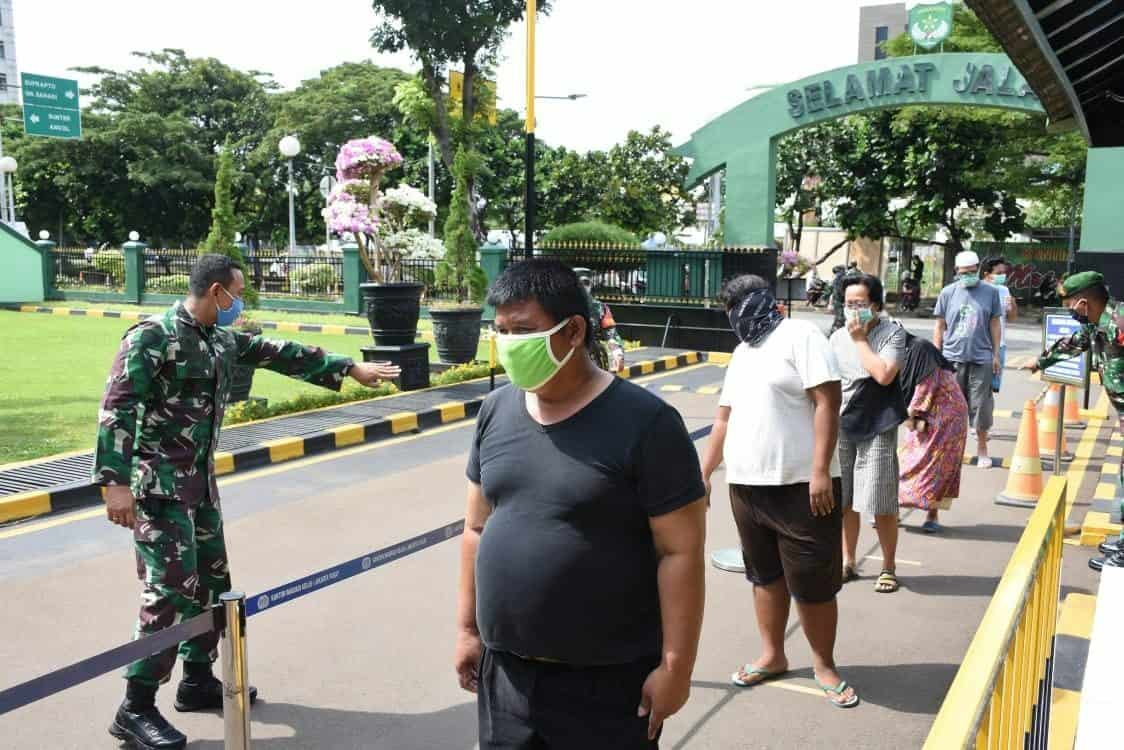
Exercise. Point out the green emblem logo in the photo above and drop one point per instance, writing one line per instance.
(930, 24)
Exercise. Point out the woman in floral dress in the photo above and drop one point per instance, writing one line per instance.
(937, 429)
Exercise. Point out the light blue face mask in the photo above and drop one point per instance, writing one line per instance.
(228, 316)
(999, 279)
(969, 279)
(863, 314)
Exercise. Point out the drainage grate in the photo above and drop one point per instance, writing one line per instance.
(76, 469)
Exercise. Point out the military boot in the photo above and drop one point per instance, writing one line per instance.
(139, 723)
(202, 691)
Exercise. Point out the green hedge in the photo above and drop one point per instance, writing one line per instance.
(177, 283)
(590, 231)
(248, 411)
(316, 278)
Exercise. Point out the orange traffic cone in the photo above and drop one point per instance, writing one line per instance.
(1049, 425)
(1072, 410)
(1024, 482)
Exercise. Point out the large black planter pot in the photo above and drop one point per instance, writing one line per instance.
(392, 311)
(241, 381)
(457, 333)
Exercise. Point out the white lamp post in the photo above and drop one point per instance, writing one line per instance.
(8, 166)
(290, 147)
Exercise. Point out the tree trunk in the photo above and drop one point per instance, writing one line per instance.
(441, 127)
(468, 113)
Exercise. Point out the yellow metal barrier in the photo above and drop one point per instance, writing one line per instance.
(996, 696)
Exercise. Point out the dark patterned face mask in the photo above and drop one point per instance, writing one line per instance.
(755, 317)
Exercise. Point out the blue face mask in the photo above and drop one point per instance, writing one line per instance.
(229, 315)
(999, 279)
(969, 279)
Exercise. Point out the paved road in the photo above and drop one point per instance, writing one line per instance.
(366, 664)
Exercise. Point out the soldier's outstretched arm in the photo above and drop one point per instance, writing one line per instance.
(139, 358)
(1063, 349)
(308, 363)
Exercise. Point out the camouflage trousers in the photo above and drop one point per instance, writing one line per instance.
(181, 559)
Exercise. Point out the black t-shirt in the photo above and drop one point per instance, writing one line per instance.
(566, 567)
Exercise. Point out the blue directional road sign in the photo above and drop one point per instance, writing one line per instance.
(1058, 324)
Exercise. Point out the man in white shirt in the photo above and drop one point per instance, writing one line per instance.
(995, 272)
(776, 427)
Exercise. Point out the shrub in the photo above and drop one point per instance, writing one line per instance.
(590, 231)
(314, 278)
(111, 262)
(461, 373)
(176, 283)
(248, 411)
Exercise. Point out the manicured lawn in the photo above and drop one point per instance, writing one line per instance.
(354, 321)
(53, 373)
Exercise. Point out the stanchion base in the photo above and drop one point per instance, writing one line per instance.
(1015, 501)
(729, 560)
(412, 358)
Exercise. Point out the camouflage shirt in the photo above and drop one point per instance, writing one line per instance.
(162, 411)
(1105, 339)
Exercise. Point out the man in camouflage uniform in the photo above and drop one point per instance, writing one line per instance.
(157, 431)
(1102, 332)
(609, 352)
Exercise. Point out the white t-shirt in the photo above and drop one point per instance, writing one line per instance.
(1004, 304)
(770, 438)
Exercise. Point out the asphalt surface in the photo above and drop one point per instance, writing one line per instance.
(367, 663)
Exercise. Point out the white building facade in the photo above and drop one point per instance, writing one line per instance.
(9, 72)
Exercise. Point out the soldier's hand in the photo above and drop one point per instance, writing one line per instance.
(121, 506)
(370, 373)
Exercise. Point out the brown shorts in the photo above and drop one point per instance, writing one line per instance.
(781, 537)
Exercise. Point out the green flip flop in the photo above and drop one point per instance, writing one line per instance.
(753, 671)
(839, 690)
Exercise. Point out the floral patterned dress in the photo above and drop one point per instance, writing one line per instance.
(931, 459)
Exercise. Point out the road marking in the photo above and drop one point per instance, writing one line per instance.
(709, 390)
(903, 562)
(671, 388)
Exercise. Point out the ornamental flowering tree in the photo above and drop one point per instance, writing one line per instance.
(355, 205)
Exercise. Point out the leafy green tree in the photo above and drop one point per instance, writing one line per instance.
(644, 190)
(220, 239)
(441, 33)
(503, 184)
(459, 269)
(805, 165)
(351, 100)
(575, 186)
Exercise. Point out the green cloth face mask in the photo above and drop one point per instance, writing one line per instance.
(528, 359)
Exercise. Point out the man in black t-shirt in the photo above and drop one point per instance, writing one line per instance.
(581, 585)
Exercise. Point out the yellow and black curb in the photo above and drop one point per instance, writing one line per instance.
(83, 493)
(1071, 654)
(1103, 521)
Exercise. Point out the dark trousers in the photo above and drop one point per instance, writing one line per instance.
(533, 705)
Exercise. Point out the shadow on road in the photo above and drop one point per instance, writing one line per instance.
(981, 532)
(953, 585)
(315, 728)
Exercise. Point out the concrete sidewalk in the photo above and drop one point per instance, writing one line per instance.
(367, 663)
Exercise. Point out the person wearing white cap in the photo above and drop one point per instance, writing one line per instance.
(968, 333)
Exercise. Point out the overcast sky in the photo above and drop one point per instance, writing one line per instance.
(641, 62)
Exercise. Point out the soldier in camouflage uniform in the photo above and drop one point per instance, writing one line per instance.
(1102, 332)
(157, 431)
(609, 350)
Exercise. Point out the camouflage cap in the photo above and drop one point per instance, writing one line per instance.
(1079, 282)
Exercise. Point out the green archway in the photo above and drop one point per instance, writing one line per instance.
(744, 140)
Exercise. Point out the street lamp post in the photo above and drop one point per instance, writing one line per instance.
(290, 147)
(8, 166)
(529, 176)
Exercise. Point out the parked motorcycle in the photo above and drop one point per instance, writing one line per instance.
(1047, 294)
(818, 293)
(909, 296)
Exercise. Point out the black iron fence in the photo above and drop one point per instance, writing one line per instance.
(424, 271)
(87, 268)
(168, 270)
(619, 273)
(281, 274)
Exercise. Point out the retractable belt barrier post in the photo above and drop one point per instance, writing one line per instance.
(229, 619)
(235, 673)
(218, 619)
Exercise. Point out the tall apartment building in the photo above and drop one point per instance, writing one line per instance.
(877, 23)
(9, 73)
